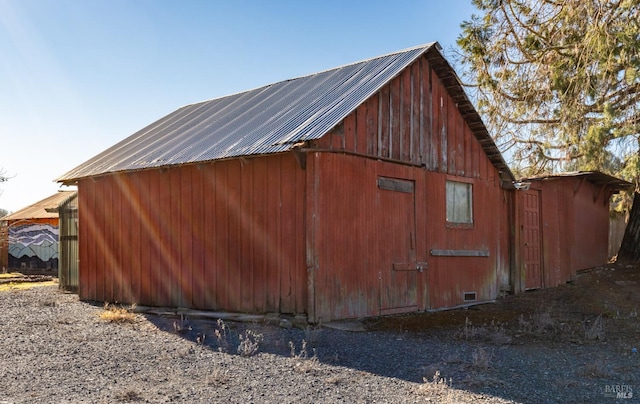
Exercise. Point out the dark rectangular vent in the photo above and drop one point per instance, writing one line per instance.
(469, 296)
(395, 184)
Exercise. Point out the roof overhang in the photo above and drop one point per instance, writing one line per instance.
(594, 177)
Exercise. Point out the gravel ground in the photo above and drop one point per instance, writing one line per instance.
(58, 349)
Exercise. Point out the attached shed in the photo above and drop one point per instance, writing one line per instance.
(67, 211)
(563, 221)
(368, 189)
(32, 234)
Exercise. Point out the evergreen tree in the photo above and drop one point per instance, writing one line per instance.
(558, 81)
(558, 84)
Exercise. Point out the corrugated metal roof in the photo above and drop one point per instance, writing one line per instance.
(44, 209)
(594, 177)
(270, 119)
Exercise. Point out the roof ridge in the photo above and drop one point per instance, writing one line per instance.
(426, 46)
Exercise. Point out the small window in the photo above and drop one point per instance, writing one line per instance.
(459, 202)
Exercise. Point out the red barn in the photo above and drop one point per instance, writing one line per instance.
(368, 189)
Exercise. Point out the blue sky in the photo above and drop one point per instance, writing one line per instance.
(78, 76)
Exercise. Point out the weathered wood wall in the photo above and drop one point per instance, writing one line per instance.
(414, 132)
(414, 120)
(221, 236)
(574, 223)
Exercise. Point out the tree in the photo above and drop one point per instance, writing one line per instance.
(3, 178)
(558, 84)
(558, 81)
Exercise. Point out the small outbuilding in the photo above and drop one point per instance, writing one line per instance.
(563, 221)
(32, 235)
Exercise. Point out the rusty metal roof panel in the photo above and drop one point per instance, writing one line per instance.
(265, 120)
(44, 209)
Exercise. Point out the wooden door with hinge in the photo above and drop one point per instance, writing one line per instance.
(398, 269)
(531, 239)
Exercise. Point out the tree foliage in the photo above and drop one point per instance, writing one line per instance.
(558, 81)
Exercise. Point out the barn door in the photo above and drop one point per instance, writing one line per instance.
(531, 248)
(398, 269)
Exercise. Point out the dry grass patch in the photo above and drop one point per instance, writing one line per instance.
(596, 369)
(118, 314)
(594, 329)
(219, 378)
(481, 359)
(437, 386)
(493, 332)
(24, 285)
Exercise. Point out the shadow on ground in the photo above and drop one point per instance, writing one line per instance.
(595, 314)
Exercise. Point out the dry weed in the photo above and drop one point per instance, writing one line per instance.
(334, 380)
(118, 314)
(222, 336)
(437, 386)
(594, 330)
(249, 343)
(182, 326)
(481, 359)
(494, 333)
(218, 378)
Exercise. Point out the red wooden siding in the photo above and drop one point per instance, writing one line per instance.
(574, 220)
(412, 119)
(591, 225)
(354, 237)
(356, 227)
(451, 276)
(221, 236)
(359, 231)
(532, 238)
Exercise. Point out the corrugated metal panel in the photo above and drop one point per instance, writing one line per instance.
(44, 209)
(4, 245)
(269, 119)
(68, 243)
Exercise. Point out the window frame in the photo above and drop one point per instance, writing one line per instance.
(471, 208)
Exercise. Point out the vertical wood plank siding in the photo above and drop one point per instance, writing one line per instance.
(353, 235)
(413, 120)
(566, 203)
(213, 236)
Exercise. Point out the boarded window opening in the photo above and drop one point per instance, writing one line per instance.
(395, 184)
(459, 202)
